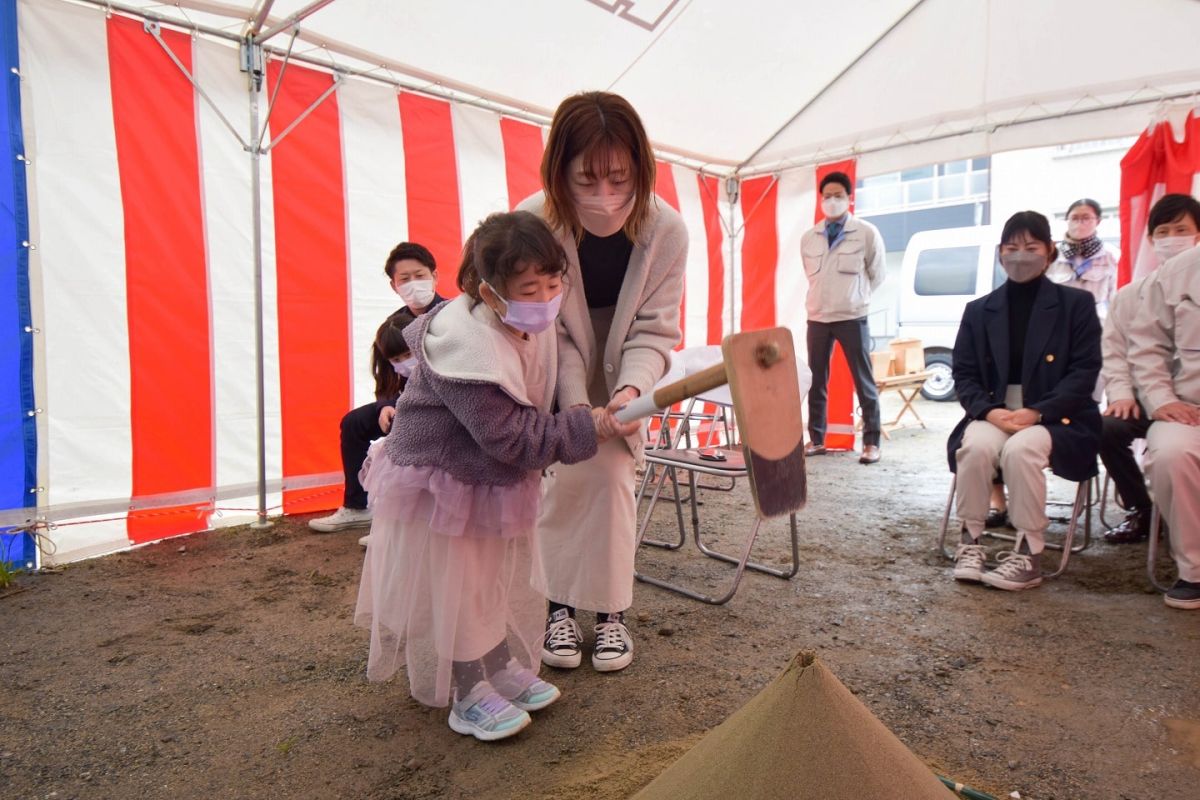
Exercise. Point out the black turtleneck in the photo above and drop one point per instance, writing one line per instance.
(603, 262)
(1020, 310)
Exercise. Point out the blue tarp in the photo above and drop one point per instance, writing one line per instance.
(18, 438)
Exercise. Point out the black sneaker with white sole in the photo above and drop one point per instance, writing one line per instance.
(614, 646)
(562, 645)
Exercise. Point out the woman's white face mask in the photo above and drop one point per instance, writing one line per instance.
(1081, 225)
(602, 203)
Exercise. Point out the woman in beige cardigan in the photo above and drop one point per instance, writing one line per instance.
(626, 251)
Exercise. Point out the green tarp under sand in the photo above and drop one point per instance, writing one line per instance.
(803, 737)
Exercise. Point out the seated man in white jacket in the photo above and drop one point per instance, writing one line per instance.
(1166, 332)
(843, 259)
(1173, 224)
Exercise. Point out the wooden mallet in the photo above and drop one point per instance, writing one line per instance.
(760, 368)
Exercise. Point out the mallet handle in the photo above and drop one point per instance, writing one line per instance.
(666, 396)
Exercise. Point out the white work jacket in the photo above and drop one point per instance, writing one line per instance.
(841, 278)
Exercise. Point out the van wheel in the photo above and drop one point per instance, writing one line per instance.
(940, 385)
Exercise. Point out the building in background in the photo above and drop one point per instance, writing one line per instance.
(980, 191)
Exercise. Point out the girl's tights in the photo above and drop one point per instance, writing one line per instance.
(468, 673)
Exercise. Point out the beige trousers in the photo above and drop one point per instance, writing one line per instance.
(584, 543)
(1023, 457)
(1173, 465)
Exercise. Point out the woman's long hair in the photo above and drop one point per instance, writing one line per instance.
(389, 343)
(596, 125)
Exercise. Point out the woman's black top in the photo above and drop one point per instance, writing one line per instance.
(1020, 310)
(603, 261)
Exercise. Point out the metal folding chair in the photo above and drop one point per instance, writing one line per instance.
(1152, 550)
(694, 463)
(1082, 506)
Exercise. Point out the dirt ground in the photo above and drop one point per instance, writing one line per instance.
(226, 664)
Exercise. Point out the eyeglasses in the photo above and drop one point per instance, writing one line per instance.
(1088, 218)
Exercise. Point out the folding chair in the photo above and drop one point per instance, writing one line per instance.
(676, 429)
(1082, 506)
(1108, 526)
(675, 432)
(699, 461)
(1152, 550)
(771, 457)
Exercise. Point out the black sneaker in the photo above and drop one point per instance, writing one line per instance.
(1184, 594)
(561, 646)
(614, 645)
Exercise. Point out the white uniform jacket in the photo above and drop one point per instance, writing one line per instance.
(1167, 327)
(841, 278)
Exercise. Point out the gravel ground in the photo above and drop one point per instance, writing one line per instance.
(226, 664)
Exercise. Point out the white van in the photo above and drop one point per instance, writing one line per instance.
(943, 271)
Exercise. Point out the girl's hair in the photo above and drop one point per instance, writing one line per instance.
(1032, 223)
(389, 343)
(596, 125)
(500, 246)
(1085, 201)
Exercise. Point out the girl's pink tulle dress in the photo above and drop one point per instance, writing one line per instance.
(446, 574)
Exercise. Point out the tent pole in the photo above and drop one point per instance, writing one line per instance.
(260, 17)
(293, 20)
(733, 186)
(253, 64)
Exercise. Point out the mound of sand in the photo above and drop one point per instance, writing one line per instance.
(803, 736)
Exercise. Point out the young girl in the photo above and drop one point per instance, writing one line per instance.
(391, 364)
(456, 486)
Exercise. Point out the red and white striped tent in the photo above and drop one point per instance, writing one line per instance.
(159, 224)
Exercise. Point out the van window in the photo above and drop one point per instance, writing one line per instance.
(947, 270)
(999, 276)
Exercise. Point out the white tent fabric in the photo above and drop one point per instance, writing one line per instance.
(756, 85)
(761, 85)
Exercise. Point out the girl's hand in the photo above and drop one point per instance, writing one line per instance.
(385, 418)
(600, 419)
(623, 396)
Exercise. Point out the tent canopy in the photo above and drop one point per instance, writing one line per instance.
(762, 85)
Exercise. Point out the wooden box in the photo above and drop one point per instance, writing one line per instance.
(881, 364)
(908, 355)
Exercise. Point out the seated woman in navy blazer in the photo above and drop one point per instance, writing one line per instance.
(1025, 365)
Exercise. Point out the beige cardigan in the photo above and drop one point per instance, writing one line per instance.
(645, 325)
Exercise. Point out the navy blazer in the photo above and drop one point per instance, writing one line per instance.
(1058, 376)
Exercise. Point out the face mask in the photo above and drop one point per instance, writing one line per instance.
(1166, 247)
(529, 316)
(416, 294)
(403, 366)
(835, 207)
(1080, 230)
(1023, 267)
(603, 215)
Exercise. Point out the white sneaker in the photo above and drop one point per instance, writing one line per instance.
(486, 715)
(522, 688)
(969, 560)
(363, 541)
(562, 646)
(341, 519)
(614, 646)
